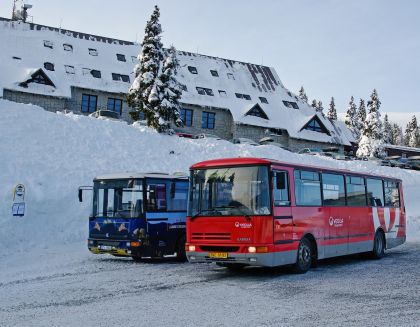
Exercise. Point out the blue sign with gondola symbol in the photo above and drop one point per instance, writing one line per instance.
(18, 207)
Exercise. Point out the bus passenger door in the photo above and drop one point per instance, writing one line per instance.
(282, 211)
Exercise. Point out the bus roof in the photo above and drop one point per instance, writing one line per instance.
(264, 161)
(141, 175)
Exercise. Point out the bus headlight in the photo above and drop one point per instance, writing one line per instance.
(190, 248)
(252, 249)
(258, 249)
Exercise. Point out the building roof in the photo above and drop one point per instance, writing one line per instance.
(129, 175)
(78, 57)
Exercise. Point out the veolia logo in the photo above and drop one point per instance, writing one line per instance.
(331, 221)
(243, 225)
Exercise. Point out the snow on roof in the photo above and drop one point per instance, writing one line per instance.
(232, 85)
(141, 175)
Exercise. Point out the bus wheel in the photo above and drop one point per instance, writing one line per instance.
(304, 256)
(378, 245)
(180, 250)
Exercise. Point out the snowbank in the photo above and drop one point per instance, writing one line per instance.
(54, 153)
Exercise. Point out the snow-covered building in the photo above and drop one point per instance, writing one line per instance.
(67, 70)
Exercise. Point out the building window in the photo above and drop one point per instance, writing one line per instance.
(243, 96)
(120, 57)
(257, 112)
(69, 69)
(207, 120)
(142, 116)
(93, 52)
(263, 100)
(89, 102)
(204, 91)
(315, 125)
(40, 79)
(290, 104)
(186, 116)
(68, 47)
(119, 77)
(115, 105)
(192, 69)
(86, 71)
(183, 87)
(134, 59)
(48, 44)
(49, 66)
(96, 73)
(214, 73)
(230, 76)
(222, 93)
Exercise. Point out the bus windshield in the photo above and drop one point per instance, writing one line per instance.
(118, 198)
(230, 191)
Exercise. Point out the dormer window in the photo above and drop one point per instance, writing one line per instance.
(49, 66)
(93, 52)
(16, 58)
(38, 77)
(263, 100)
(192, 69)
(86, 71)
(243, 96)
(119, 77)
(134, 59)
(96, 73)
(48, 44)
(69, 69)
(214, 73)
(257, 112)
(316, 125)
(291, 104)
(120, 57)
(230, 76)
(205, 91)
(222, 93)
(183, 87)
(68, 47)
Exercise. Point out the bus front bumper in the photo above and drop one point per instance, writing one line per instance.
(117, 248)
(270, 259)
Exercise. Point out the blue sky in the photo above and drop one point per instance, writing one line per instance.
(331, 47)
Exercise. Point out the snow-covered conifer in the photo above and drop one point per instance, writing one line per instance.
(319, 108)
(412, 133)
(350, 119)
(360, 119)
(170, 91)
(302, 95)
(371, 141)
(387, 130)
(397, 135)
(332, 112)
(314, 104)
(144, 95)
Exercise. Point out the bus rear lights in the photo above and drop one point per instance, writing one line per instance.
(257, 249)
(190, 248)
(135, 244)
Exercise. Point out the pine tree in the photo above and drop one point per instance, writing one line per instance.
(314, 104)
(360, 119)
(371, 142)
(170, 91)
(332, 112)
(302, 95)
(148, 90)
(319, 108)
(412, 133)
(397, 135)
(350, 119)
(387, 130)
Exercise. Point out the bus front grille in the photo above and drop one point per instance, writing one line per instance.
(211, 236)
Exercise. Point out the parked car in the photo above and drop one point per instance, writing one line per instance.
(312, 152)
(242, 140)
(413, 162)
(106, 114)
(186, 135)
(270, 141)
(206, 136)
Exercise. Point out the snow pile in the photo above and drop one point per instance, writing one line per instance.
(52, 154)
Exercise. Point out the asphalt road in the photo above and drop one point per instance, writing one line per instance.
(71, 287)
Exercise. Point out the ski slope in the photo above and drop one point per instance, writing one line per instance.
(52, 154)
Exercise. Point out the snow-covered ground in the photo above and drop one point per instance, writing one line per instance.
(48, 278)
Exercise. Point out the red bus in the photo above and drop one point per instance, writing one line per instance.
(262, 212)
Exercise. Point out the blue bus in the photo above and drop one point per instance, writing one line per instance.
(138, 215)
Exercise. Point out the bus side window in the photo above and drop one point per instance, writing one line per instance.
(392, 194)
(156, 197)
(281, 189)
(375, 192)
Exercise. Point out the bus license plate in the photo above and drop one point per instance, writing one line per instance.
(105, 247)
(218, 255)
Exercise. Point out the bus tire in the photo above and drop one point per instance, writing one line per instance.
(181, 255)
(304, 256)
(378, 245)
